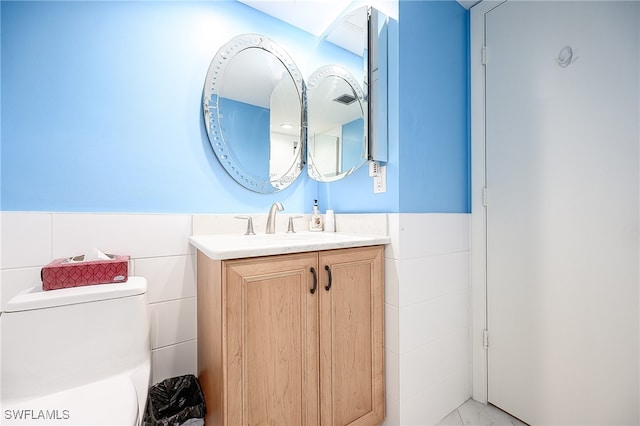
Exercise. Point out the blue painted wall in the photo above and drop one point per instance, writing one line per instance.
(101, 109)
(434, 107)
(352, 142)
(428, 126)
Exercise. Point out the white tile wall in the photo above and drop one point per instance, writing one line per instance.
(429, 406)
(427, 290)
(173, 322)
(169, 277)
(138, 235)
(26, 239)
(372, 223)
(13, 281)
(159, 249)
(427, 328)
(175, 360)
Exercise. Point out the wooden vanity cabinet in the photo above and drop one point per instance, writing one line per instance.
(292, 339)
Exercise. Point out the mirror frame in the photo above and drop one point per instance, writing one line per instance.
(222, 147)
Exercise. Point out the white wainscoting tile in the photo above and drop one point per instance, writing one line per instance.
(433, 276)
(424, 322)
(413, 280)
(449, 273)
(13, 281)
(392, 375)
(433, 308)
(438, 399)
(173, 322)
(169, 277)
(26, 239)
(391, 282)
(391, 328)
(392, 412)
(173, 361)
(137, 235)
(205, 224)
(465, 231)
(370, 223)
(393, 250)
(428, 234)
(434, 361)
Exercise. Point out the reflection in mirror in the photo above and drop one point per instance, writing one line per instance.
(338, 130)
(253, 107)
(336, 133)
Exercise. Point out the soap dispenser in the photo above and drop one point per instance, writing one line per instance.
(316, 218)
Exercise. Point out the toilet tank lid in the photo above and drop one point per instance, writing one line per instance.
(36, 298)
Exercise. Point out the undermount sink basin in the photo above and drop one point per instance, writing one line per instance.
(231, 246)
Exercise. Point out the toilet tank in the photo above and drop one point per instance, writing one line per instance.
(54, 340)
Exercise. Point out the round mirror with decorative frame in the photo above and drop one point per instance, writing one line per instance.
(254, 110)
(338, 100)
(336, 133)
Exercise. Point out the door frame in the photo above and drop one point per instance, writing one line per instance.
(478, 210)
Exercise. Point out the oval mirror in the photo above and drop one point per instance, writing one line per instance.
(338, 101)
(253, 107)
(336, 133)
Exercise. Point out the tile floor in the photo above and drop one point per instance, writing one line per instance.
(473, 413)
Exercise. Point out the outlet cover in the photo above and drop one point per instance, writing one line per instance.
(380, 180)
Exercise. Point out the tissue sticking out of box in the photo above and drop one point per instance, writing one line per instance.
(93, 267)
(92, 254)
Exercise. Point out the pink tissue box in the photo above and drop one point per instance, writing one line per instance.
(72, 272)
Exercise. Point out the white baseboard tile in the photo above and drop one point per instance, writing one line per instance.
(173, 361)
(392, 413)
(437, 399)
(392, 375)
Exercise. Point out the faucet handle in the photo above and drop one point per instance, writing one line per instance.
(249, 224)
(290, 230)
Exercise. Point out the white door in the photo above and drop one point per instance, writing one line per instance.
(562, 170)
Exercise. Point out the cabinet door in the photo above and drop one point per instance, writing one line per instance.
(351, 337)
(272, 341)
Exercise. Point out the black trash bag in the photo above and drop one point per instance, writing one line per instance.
(175, 401)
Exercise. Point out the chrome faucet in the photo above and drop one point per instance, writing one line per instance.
(271, 220)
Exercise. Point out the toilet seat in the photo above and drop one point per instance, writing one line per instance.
(111, 401)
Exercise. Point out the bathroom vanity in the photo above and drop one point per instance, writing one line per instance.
(294, 336)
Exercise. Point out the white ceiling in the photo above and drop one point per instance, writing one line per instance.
(313, 16)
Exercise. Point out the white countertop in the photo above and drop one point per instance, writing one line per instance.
(233, 246)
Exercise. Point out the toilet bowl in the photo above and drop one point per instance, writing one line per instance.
(76, 356)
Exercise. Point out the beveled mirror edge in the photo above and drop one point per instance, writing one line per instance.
(218, 143)
(378, 24)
